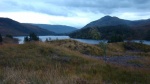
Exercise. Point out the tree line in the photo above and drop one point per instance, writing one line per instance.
(117, 33)
(31, 37)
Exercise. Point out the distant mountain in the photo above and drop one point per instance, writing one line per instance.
(113, 26)
(9, 26)
(59, 29)
(114, 21)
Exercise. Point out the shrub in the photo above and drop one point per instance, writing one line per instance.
(136, 47)
(9, 36)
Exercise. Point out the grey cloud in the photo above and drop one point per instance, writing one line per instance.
(102, 6)
(141, 1)
(35, 6)
(8, 6)
(66, 7)
(109, 6)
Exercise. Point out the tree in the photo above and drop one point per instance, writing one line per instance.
(46, 40)
(33, 37)
(94, 34)
(103, 45)
(26, 39)
(147, 37)
(1, 39)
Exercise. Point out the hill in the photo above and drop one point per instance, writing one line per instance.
(114, 21)
(9, 26)
(59, 29)
(141, 32)
(105, 32)
(109, 26)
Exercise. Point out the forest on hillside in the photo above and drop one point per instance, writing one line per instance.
(107, 32)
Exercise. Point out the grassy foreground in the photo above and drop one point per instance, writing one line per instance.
(51, 63)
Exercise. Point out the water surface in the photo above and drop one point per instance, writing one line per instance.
(88, 41)
(43, 38)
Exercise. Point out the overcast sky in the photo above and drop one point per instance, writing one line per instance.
(76, 13)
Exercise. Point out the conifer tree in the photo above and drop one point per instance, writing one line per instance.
(1, 39)
(33, 37)
(26, 39)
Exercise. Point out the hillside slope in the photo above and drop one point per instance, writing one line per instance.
(9, 26)
(59, 29)
(105, 32)
(142, 31)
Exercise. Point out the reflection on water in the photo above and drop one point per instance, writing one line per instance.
(105, 41)
(88, 41)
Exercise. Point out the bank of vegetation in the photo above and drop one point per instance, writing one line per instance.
(68, 62)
